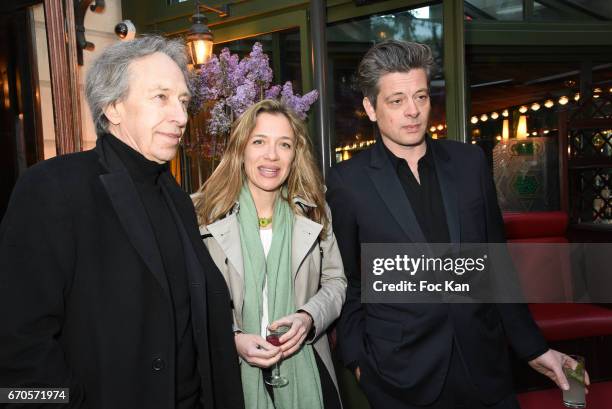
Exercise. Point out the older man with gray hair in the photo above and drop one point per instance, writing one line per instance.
(105, 285)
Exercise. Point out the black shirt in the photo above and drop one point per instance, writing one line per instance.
(426, 197)
(146, 174)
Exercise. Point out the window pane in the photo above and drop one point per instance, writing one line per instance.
(347, 42)
(542, 10)
(600, 7)
(505, 10)
(572, 10)
(517, 99)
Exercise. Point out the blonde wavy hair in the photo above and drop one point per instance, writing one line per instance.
(220, 192)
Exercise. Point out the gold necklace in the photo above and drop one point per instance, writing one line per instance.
(264, 222)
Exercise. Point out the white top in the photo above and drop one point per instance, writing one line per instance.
(266, 240)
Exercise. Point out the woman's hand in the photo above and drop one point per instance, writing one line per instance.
(256, 351)
(301, 324)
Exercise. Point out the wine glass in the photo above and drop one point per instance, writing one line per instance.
(276, 380)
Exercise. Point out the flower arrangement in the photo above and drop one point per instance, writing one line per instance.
(227, 85)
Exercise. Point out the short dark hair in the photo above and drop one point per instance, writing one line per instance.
(392, 56)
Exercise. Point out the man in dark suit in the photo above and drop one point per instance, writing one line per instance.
(409, 188)
(105, 285)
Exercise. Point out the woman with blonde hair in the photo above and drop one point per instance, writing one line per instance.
(265, 222)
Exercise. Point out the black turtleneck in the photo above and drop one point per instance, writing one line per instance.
(146, 176)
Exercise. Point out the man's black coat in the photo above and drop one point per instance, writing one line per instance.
(403, 350)
(84, 300)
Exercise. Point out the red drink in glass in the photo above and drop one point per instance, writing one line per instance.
(273, 337)
(274, 340)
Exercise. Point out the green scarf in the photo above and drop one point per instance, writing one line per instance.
(300, 367)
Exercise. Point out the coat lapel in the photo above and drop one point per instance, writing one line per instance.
(390, 190)
(131, 212)
(226, 232)
(184, 213)
(305, 234)
(448, 187)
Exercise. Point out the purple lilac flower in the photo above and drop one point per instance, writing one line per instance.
(231, 85)
(273, 92)
(230, 78)
(244, 97)
(299, 105)
(256, 67)
(219, 122)
(210, 79)
(310, 98)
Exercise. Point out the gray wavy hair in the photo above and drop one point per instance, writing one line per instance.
(108, 78)
(392, 56)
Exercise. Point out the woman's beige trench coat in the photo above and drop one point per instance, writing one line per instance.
(316, 265)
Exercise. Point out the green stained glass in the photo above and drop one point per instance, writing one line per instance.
(526, 185)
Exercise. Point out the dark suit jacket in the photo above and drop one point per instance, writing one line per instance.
(403, 350)
(84, 300)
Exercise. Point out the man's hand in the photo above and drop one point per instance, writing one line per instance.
(358, 374)
(257, 351)
(551, 364)
(292, 340)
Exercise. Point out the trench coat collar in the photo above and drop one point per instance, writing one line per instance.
(226, 232)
